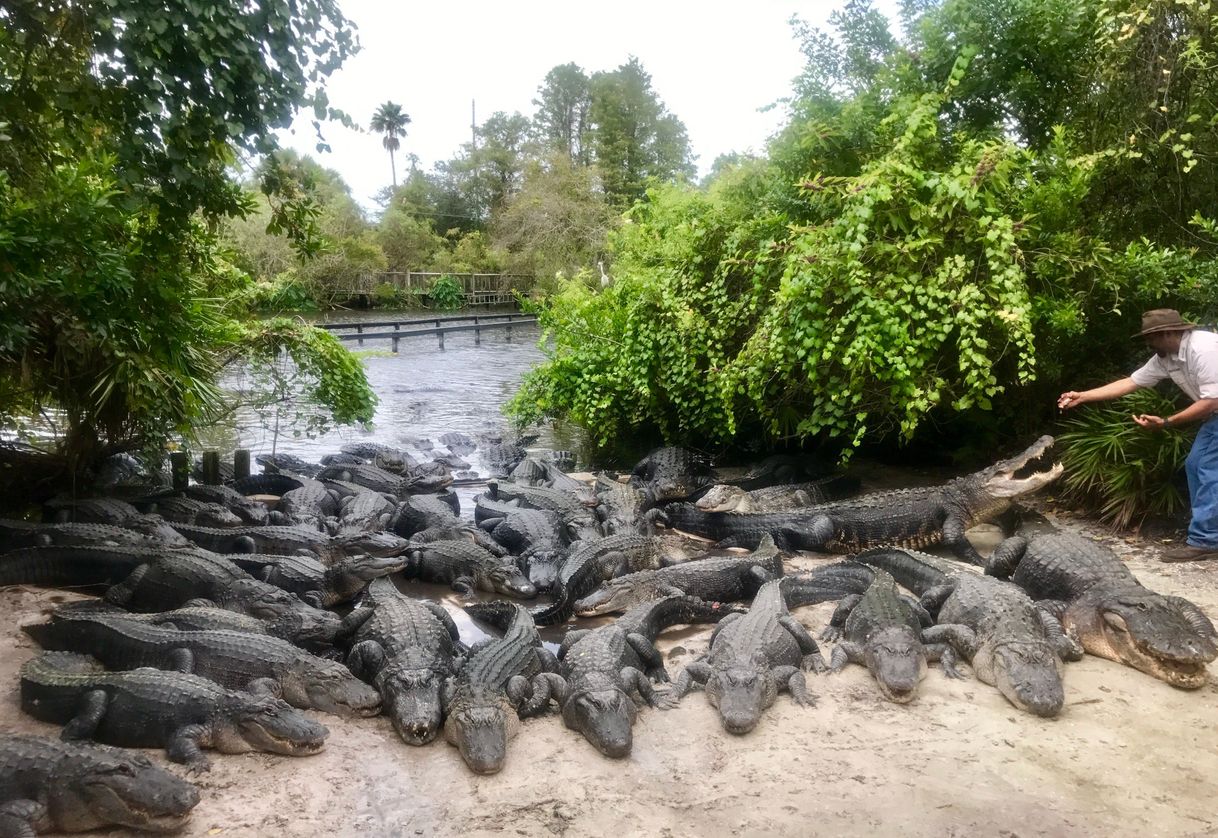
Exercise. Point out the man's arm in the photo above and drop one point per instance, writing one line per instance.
(1198, 411)
(1112, 390)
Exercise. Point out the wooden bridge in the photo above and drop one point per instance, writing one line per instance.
(395, 330)
(477, 289)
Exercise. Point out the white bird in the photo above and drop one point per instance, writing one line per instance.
(604, 276)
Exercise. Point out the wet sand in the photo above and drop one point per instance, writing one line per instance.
(1128, 755)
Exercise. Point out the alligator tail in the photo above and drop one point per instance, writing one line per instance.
(498, 613)
(826, 584)
(66, 567)
(907, 569)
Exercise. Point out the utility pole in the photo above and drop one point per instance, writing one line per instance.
(473, 126)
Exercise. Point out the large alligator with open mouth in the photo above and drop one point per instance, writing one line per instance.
(909, 518)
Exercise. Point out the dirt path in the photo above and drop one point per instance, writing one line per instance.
(1129, 755)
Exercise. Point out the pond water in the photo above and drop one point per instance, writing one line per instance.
(424, 391)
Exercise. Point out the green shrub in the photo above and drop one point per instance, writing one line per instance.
(286, 292)
(445, 293)
(387, 295)
(1119, 471)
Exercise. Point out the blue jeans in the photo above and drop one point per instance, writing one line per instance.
(1202, 469)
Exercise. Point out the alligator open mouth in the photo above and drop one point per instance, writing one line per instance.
(1026, 472)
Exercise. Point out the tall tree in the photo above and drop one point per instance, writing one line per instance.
(122, 122)
(391, 121)
(562, 112)
(635, 138)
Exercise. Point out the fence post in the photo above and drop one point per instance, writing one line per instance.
(477, 333)
(241, 462)
(441, 336)
(211, 468)
(359, 330)
(179, 467)
(395, 345)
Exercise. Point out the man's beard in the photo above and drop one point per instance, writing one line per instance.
(1162, 353)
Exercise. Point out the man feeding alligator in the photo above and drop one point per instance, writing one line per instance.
(1189, 356)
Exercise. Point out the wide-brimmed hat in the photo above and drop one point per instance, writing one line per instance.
(1163, 320)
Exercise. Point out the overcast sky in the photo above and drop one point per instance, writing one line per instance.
(713, 64)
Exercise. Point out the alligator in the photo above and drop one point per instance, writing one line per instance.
(910, 518)
(184, 510)
(342, 459)
(406, 648)
(158, 580)
(725, 497)
(274, 463)
(671, 473)
(232, 659)
(365, 512)
(593, 562)
(419, 512)
(268, 484)
(783, 468)
(16, 533)
(192, 618)
(882, 629)
(606, 666)
(501, 458)
(49, 786)
(451, 460)
(500, 681)
(366, 475)
(992, 624)
(620, 508)
(458, 443)
(90, 511)
(152, 708)
(317, 584)
(579, 522)
(530, 534)
(368, 451)
(535, 471)
(1104, 607)
(715, 579)
(752, 657)
(252, 512)
(427, 477)
(466, 567)
(109, 512)
(287, 540)
(313, 505)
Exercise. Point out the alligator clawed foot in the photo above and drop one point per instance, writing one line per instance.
(816, 663)
(665, 701)
(831, 633)
(198, 766)
(805, 700)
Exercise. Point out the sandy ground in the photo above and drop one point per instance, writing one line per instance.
(1128, 755)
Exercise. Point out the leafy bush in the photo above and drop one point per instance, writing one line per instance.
(286, 292)
(446, 294)
(1119, 471)
(387, 295)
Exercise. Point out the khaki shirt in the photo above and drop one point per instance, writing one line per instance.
(1194, 368)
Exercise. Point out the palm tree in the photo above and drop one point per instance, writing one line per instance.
(391, 121)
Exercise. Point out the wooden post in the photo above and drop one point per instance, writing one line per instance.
(359, 330)
(211, 468)
(477, 333)
(241, 462)
(395, 345)
(441, 336)
(179, 467)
